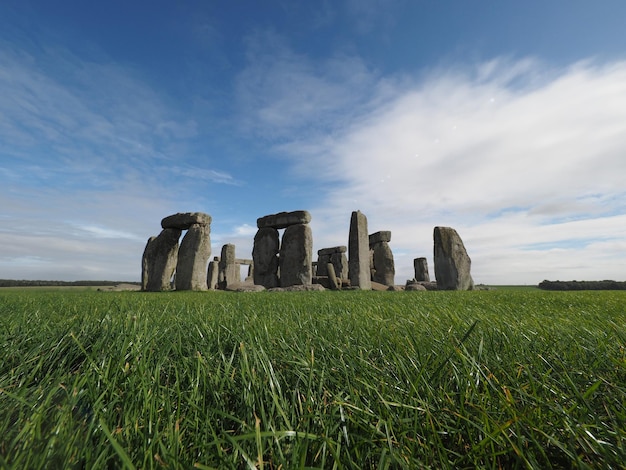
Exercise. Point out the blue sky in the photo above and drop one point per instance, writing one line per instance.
(504, 120)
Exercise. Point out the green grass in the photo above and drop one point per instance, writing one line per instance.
(494, 379)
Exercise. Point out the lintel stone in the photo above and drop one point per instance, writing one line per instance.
(184, 220)
(284, 219)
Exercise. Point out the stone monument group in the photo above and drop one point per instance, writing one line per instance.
(286, 262)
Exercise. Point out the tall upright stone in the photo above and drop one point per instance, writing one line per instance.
(452, 263)
(193, 256)
(359, 252)
(213, 274)
(159, 261)
(421, 270)
(230, 273)
(265, 257)
(383, 266)
(296, 253)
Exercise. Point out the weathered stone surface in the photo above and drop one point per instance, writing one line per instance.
(296, 251)
(230, 274)
(384, 267)
(358, 252)
(213, 274)
(300, 288)
(414, 287)
(193, 256)
(159, 261)
(184, 220)
(378, 237)
(284, 219)
(265, 257)
(332, 250)
(335, 284)
(421, 269)
(377, 286)
(245, 288)
(396, 288)
(452, 263)
(340, 262)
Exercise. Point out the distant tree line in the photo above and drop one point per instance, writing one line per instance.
(26, 283)
(582, 285)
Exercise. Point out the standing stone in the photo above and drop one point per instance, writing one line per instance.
(265, 257)
(159, 261)
(452, 263)
(193, 255)
(230, 274)
(296, 253)
(359, 253)
(421, 269)
(384, 266)
(212, 274)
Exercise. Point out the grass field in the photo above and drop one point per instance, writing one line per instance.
(494, 379)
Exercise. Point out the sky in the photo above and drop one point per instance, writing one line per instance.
(503, 120)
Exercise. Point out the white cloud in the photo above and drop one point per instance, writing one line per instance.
(515, 155)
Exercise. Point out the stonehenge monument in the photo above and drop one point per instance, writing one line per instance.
(285, 262)
(452, 263)
(162, 257)
(169, 262)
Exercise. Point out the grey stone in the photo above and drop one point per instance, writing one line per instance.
(159, 261)
(358, 251)
(296, 251)
(421, 269)
(193, 256)
(332, 250)
(245, 288)
(284, 219)
(184, 220)
(384, 270)
(265, 257)
(452, 263)
(335, 284)
(414, 287)
(382, 236)
(230, 274)
(213, 274)
(340, 262)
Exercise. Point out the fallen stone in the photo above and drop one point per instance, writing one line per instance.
(245, 288)
(284, 219)
(377, 286)
(452, 263)
(184, 220)
(414, 287)
(395, 288)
